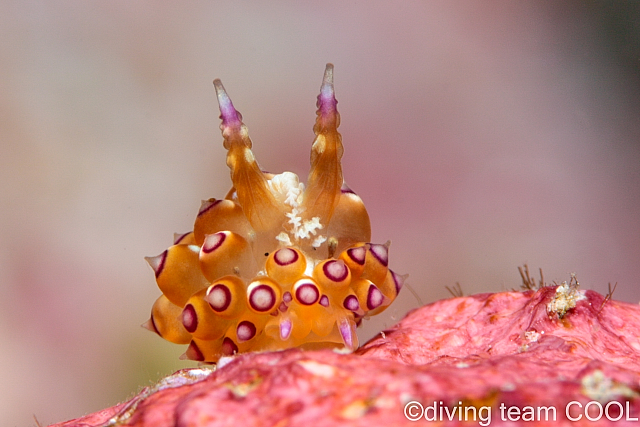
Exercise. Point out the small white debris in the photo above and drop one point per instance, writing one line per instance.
(566, 297)
(508, 387)
(406, 398)
(531, 336)
(181, 378)
(318, 369)
(598, 387)
(385, 402)
(224, 360)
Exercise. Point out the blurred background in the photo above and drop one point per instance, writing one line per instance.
(481, 136)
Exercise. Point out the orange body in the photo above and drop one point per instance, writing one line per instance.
(274, 265)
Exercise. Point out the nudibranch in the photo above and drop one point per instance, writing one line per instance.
(274, 264)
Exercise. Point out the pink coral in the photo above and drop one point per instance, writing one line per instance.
(496, 357)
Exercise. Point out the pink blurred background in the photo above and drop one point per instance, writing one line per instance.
(481, 135)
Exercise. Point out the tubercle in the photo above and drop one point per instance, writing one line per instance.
(274, 264)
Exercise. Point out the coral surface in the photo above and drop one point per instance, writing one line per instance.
(492, 359)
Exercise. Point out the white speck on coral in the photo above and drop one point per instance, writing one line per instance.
(566, 297)
(342, 350)
(318, 369)
(224, 360)
(385, 402)
(531, 336)
(406, 398)
(598, 387)
(184, 377)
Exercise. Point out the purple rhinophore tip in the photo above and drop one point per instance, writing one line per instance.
(213, 241)
(286, 297)
(335, 270)
(357, 255)
(190, 319)
(324, 301)
(283, 307)
(229, 115)
(285, 329)
(307, 293)
(157, 262)
(374, 297)
(351, 303)
(285, 256)
(229, 348)
(380, 252)
(262, 298)
(326, 100)
(219, 297)
(345, 331)
(245, 331)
